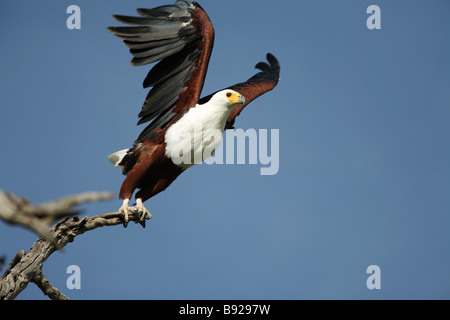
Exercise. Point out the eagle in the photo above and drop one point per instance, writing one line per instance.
(183, 125)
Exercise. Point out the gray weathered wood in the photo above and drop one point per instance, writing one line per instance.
(26, 267)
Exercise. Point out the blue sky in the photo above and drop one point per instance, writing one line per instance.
(364, 176)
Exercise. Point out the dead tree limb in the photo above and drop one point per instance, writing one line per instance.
(39, 218)
(26, 267)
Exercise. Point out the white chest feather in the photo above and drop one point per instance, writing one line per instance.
(195, 137)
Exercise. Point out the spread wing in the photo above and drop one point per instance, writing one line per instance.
(251, 89)
(257, 85)
(181, 38)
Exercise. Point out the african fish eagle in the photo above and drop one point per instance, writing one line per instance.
(180, 37)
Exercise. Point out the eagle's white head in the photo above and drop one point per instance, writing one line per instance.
(227, 98)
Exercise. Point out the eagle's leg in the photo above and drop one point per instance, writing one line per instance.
(124, 211)
(142, 213)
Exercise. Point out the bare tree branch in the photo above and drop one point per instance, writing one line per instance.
(27, 266)
(42, 282)
(2, 261)
(38, 218)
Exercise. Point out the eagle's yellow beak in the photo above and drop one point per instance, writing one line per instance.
(236, 98)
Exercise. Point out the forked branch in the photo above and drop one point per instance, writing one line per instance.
(27, 266)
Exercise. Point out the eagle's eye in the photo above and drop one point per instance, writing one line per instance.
(228, 94)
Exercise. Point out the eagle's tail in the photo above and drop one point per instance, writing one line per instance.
(117, 157)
